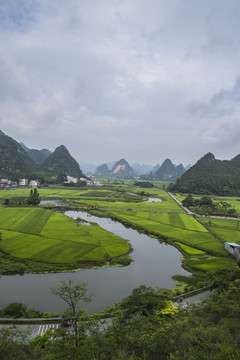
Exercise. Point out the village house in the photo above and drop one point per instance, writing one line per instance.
(34, 184)
(71, 179)
(23, 182)
(6, 184)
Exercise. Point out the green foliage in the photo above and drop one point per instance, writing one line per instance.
(211, 176)
(14, 160)
(206, 200)
(145, 300)
(206, 331)
(15, 310)
(18, 310)
(72, 295)
(46, 314)
(34, 197)
(61, 162)
(121, 260)
(188, 201)
(144, 184)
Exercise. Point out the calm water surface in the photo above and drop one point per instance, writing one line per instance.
(153, 265)
(151, 199)
(56, 202)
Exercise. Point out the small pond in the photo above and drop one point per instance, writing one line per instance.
(55, 202)
(151, 199)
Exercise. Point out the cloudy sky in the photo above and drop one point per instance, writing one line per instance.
(140, 79)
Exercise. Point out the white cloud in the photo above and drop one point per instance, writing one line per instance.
(115, 78)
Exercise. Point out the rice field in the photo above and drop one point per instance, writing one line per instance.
(176, 227)
(42, 235)
(226, 229)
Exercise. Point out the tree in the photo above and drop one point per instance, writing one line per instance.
(15, 310)
(206, 200)
(145, 300)
(72, 295)
(33, 197)
(188, 201)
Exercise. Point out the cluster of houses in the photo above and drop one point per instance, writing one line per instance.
(71, 179)
(6, 184)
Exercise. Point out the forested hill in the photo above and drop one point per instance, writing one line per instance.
(102, 171)
(39, 155)
(61, 162)
(168, 171)
(14, 160)
(211, 176)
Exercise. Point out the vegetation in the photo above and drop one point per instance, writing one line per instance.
(17, 161)
(33, 197)
(225, 229)
(53, 238)
(145, 325)
(14, 160)
(61, 162)
(72, 295)
(46, 239)
(211, 176)
(144, 184)
(168, 171)
(206, 205)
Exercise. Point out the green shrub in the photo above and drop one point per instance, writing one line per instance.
(14, 310)
(47, 314)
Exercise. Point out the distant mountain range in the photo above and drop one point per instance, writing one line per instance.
(17, 160)
(211, 176)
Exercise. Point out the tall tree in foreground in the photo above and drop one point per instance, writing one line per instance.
(72, 295)
(34, 197)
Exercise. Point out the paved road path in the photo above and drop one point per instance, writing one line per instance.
(195, 299)
(35, 329)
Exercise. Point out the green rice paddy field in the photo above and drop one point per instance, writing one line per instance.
(42, 235)
(203, 251)
(176, 227)
(225, 229)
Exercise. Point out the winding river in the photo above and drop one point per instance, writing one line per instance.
(153, 265)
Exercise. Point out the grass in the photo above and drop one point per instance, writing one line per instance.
(41, 235)
(189, 250)
(212, 264)
(176, 227)
(226, 229)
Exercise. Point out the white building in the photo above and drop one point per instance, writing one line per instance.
(234, 249)
(23, 182)
(34, 183)
(71, 179)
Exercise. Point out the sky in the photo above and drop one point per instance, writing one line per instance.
(143, 80)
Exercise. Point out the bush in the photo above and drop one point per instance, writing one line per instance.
(122, 260)
(47, 314)
(15, 310)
